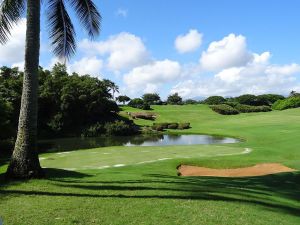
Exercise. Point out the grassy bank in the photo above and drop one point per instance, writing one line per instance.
(152, 193)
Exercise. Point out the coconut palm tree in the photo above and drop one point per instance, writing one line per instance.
(24, 162)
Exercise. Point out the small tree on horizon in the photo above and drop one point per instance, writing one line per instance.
(123, 99)
(174, 99)
(151, 98)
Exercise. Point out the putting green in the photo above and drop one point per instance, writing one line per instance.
(102, 158)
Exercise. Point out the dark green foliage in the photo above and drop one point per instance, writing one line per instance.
(139, 104)
(6, 128)
(151, 98)
(214, 100)
(143, 115)
(288, 103)
(190, 102)
(68, 104)
(173, 126)
(163, 126)
(94, 130)
(174, 99)
(248, 108)
(224, 109)
(158, 127)
(120, 128)
(269, 99)
(256, 100)
(123, 99)
(183, 126)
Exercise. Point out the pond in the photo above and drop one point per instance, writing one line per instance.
(67, 144)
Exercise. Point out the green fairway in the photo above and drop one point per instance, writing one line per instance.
(139, 185)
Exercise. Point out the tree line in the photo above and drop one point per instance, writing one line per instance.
(68, 104)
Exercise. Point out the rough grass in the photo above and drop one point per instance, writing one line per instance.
(152, 193)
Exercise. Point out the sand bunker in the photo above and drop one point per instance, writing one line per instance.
(257, 170)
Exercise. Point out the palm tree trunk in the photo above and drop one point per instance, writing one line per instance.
(24, 161)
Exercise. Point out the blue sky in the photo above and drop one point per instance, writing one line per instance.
(223, 47)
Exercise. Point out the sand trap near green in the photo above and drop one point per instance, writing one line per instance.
(108, 157)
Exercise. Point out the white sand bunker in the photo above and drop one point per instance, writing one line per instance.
(257, 170)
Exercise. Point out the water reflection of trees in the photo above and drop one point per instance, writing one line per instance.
(69, 144)
(174, 137)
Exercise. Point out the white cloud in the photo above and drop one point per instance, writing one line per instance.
(283, 70)
(20, 65)
(148, 78)
(231, 51)
(262, 58)
(124, 51)
(122, 12)
(254, 78)
(14, 50)
(91, 66)
(229, 75)
(188, 42)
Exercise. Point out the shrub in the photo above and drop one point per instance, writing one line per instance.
(183, 126)
(248, 108)
(231, 103)
(120, 128)
(224, 109)
(214, 100)
(163, 126)
(173, 126)
(143, 115)
(292, 102)
(157, 127)
(95, 130)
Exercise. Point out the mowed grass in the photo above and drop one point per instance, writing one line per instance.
(152, 193)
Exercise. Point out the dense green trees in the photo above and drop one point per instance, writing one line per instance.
(68, 104)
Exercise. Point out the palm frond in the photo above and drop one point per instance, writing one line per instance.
(11, 12)
(88, 15)
(61, 29)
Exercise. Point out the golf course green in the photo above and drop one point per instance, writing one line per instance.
(140, 185)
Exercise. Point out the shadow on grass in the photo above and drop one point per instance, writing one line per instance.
(280, 192)
(50, 173)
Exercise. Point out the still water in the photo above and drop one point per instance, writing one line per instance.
(66, 144)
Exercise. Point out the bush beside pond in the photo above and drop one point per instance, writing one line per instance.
(143, 115)
(116, 128)
(174, 126)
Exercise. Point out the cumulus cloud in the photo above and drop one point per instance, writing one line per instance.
(254, 78)
(188, 42)
(13, 51)
(231, 51)
(123, 51)
(148, 78)
(91, 66)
